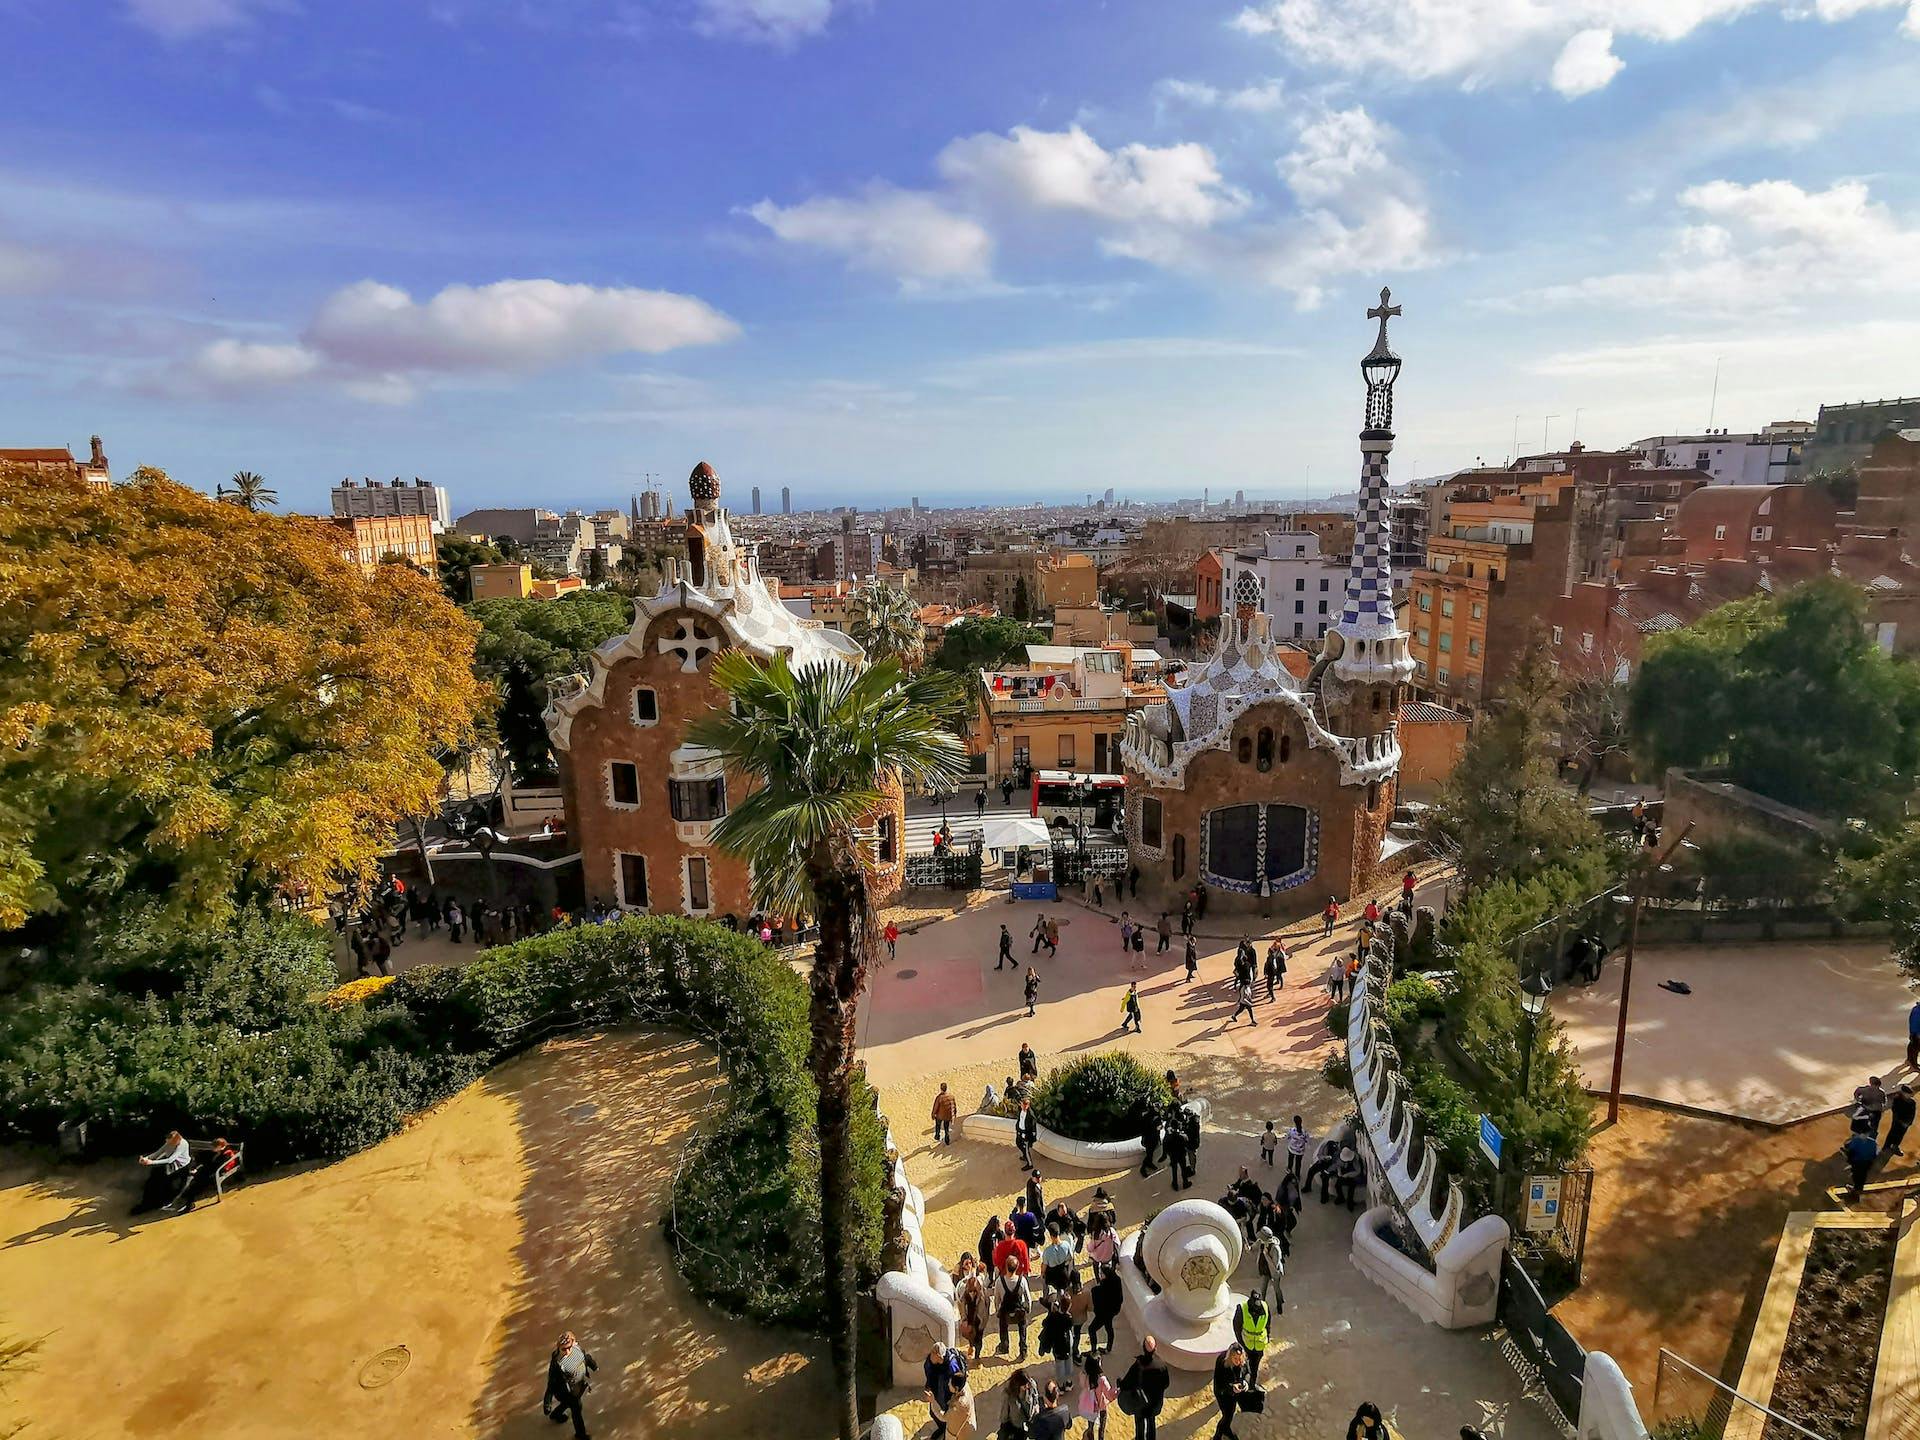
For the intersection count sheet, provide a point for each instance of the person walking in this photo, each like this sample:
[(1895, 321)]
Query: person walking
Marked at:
[(1367, 1423), (1901, 1107), (941, 1367), (945, 1110), (569, 1377), (957, 1420), (1296, 1149), (1269, 1144), (1053, 937), (1019, 1404), (1276, 967), (1033, 989), (1271, 1263), (1186, 916), (1006, 791), (1026, 1129), (1250, 1320), (1329, 918), (1099, 898), (1179, 1161), (1056, 1340), (1130, 1009), (1337, 980), (1107, 1300), (1011, 1299), (1039, 933), (1245, 1002), (1870, 1100), (1913, 1036), (456, 921), (970, 1298), (1006, 951), (1096, 1397), (1028, 1063), (891, 934), (1193, 960), (1409, 882), (1229, 1384), (1150, 1137), (1146, 1381), (1126, 931), (1165, 931)]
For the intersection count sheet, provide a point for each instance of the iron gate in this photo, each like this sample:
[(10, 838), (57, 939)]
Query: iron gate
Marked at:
[(1072, 865), (957, 867), (1544, 1344)]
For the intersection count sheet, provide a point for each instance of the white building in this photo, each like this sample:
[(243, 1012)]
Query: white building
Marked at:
[(370, 498), (1766, 457), (1300, 589)]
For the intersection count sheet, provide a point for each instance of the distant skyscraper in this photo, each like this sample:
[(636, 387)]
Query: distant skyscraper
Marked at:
[(1239, 500), (756, 499), (786, 500), (916, 504), (1206, 496), (1108, 497)]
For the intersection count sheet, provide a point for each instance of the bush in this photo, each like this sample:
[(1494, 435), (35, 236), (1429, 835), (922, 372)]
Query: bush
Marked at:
[(1336, 1070), (1338, 1017), (1100, 1097), (300, 1078), (1410, 1001)]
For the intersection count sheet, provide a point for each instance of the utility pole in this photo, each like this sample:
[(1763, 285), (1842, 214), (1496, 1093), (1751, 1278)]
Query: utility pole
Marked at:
[(1626, 972), (1514, 453), (1713, 405), (1544, 424)]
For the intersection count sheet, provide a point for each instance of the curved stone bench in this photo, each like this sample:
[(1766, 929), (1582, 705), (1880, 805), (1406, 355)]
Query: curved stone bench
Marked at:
[(1079, 1154)]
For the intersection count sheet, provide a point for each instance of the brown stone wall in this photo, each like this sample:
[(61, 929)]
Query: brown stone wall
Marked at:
[(1350, 833), (604, 830), (607, 733)]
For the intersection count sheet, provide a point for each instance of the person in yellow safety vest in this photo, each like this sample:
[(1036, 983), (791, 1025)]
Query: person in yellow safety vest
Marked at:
[(1250, 1319)]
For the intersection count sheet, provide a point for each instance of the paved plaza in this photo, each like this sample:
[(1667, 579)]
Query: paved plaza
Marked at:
[(1773, 1033)]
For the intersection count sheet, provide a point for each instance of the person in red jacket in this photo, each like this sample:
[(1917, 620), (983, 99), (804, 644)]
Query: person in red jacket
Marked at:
[(1329, 917), (1011, 1247)]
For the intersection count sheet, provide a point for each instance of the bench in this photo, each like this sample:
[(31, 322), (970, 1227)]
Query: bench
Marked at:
[(200, 1149)]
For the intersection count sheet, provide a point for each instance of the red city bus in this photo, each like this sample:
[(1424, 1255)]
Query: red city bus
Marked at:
[(1057, 799)]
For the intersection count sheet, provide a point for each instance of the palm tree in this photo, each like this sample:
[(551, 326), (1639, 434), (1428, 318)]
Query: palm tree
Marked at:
[(823, 744), (250, 491), (886, 622)]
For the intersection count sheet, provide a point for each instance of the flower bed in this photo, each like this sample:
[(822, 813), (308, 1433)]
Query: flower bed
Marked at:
[(1826, 1369), (1100, 1098)]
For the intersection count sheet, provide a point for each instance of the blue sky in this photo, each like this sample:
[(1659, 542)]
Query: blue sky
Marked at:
[(967, 251)]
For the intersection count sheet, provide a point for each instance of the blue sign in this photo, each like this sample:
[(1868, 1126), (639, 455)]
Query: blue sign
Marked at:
[(1036, 892), (1490, 1140)]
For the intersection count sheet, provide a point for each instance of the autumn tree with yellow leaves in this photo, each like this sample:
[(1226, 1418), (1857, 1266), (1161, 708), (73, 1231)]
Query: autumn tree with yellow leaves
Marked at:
[(205, 705)]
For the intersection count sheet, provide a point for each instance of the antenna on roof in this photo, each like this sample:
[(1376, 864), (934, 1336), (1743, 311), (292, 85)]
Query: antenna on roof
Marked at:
[(1714, 404)]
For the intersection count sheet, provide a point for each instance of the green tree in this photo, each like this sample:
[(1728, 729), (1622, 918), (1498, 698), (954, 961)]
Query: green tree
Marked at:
[(206, 705), (524, 645), (886, 622), (457, 556), (1791, 696), (249, 492), (1886, 886), (981, 643), (823, 745), (1022, 606), (1503, 809)]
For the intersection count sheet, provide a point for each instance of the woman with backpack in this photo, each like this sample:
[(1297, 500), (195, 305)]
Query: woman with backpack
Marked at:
[(1020, 1402)]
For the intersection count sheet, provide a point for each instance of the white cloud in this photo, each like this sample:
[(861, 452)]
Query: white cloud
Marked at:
[(508, 326), (1767, 247), (1480, 41), (768, 22), (1070, 170), (1586, 64), (25, 269), (1257, 99), (908, 234), (229, 364), (183, 19), (1337, 152)]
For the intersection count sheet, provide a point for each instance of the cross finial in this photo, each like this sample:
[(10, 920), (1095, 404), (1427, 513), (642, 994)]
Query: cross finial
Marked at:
[(1383, 312)]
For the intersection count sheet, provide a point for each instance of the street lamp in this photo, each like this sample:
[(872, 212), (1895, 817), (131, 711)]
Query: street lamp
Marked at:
[(1082, 793), (484, 839), (1639, 900), (1533, 1000)]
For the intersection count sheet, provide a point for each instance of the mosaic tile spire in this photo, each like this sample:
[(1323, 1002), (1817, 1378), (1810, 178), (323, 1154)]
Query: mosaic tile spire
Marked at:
[(1369, 604)]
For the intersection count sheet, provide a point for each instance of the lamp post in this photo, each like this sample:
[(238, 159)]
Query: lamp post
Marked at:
[(1533, 1000), (1659, 866), (1082, 793), (484, 839)]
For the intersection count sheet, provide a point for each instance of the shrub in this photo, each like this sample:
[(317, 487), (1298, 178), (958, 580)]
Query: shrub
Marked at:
[(1336, 1070), (1100, 1097), (320, 1080), (1337, 1018), (1409, 1001)]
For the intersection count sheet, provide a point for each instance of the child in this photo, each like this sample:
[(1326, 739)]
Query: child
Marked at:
[(1296, 1148), (1095, 1399), (1269, 1142)]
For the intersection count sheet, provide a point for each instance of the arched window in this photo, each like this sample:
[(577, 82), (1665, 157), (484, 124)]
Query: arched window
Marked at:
[(1179, 856), (1373, 794), (1150, 822), (1376, 701), (1265, 748), (1245, 749), (1286, 746)]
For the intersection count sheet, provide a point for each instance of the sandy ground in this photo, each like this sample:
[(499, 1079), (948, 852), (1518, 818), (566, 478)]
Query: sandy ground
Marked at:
[(1340, 1339), (1775, 1033), (1688, 1211), (527, 1204)]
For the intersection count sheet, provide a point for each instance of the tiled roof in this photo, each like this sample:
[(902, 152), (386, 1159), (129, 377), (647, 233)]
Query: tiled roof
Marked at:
[(59, 453), (1425, 712)]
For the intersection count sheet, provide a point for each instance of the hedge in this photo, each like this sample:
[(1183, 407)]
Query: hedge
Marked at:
[(1100, 1097), (329, 1079)]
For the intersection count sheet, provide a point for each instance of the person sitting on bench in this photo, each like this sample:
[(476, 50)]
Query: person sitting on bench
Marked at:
[(204, 1178), (164, 1167), (1348, 1177)]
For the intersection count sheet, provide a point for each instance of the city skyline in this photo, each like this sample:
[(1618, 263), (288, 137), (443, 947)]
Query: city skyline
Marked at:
[(1126, 252)]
